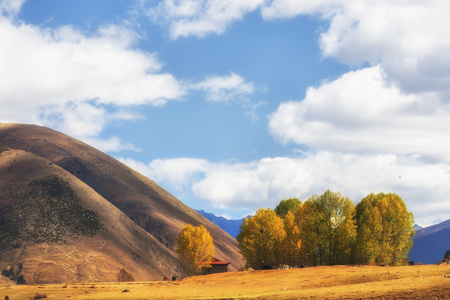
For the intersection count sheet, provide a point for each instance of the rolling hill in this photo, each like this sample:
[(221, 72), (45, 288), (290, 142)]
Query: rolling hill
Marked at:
[(70, 213)]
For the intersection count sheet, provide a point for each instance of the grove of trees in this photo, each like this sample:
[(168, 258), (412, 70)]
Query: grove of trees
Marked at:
[(195, 248), (328, 229)]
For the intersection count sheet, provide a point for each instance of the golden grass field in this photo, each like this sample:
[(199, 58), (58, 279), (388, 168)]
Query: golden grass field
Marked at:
[(335, 282)]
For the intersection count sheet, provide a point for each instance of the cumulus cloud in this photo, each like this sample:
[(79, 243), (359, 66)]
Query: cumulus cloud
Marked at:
[(263, 183), (177, 173), (200, 17), (225, 88), (75, 81), (11, 7), (52, 66), (362, 113), (112, 144)]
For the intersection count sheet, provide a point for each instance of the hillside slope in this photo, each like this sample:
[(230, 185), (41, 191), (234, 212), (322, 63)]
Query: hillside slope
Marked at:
[(430, 243), (140, 200), (54, 228)]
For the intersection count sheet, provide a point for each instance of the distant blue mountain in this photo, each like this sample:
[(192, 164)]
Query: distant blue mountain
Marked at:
[(231, 227), (430, 243)]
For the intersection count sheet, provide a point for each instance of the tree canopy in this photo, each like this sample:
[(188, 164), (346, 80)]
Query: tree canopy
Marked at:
[(385, 229), (260, 239), (195, 248), (287, 205)]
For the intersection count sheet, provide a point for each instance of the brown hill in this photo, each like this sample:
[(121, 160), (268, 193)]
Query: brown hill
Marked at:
[(69, 212)]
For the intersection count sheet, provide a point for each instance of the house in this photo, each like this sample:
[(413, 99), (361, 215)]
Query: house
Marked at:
[(217, 266)]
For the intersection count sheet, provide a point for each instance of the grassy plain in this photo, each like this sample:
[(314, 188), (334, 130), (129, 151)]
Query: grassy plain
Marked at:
[(336, 282)]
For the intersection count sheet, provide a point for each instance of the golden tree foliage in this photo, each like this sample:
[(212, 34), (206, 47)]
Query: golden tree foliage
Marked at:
[(307, 218), (385, 229), (397, 230), (196, 248), (260, 239), (292, 242), (328, 229), (368, 221)]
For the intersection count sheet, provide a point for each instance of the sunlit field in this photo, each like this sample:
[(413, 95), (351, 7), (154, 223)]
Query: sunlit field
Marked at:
[(336, 282)]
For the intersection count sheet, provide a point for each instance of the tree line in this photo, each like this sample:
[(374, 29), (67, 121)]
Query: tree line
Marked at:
[(328, 229)]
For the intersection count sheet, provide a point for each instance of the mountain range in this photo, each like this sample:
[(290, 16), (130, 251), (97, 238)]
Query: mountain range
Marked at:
[(431, 243), (231, 227), (71, 213)]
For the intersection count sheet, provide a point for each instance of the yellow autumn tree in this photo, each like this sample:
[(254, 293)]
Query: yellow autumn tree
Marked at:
[(369, 228), (260, 239), (292, 242), (308, 217), (195, 248), (397, 229), (385, 229)]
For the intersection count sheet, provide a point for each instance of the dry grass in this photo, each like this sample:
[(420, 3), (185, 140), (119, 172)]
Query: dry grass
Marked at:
[(338, 282)]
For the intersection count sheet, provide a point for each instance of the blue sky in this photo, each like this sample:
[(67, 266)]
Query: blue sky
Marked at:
[(234, 105)]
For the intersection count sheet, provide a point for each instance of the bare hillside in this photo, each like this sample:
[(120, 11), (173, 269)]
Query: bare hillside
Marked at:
[(126, 218)]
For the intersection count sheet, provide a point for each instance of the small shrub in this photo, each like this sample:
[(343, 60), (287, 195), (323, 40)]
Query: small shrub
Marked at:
[(447, 254), (124, 276)]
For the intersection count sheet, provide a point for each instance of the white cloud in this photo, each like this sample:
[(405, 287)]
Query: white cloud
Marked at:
[(179, 172), (113, 144), (280, 9), (56, 66), (263, 183), (11, 7), (79, 119), (200, 17), (362, 113), (225, 88)]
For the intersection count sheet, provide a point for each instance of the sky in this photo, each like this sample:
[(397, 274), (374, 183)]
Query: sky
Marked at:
[(235, 105)]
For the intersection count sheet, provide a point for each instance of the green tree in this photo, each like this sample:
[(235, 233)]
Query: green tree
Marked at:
[(287, 205), (260, 239), (195, 248)]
